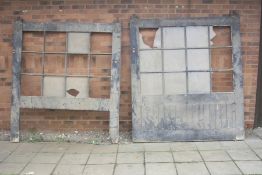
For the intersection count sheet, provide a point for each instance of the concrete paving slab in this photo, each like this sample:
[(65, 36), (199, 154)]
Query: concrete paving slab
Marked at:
[(20, 158), (11, 168), (47, 158), (187, 156), (8, 146), (196, 168), (157, 147), (79, 159), (183, 146), (216, 155), (131, 147), (129, 169), (105, 149), (258, 152), (55, 148), (160, 169), (208, 145), (38, 169), (99, 169), (234, 145), (80, 148), (223, 168), (130, 157), (3, 155), (245, 154), (158, 157), (69, 170), (29, 148), (254, 143), (250, 167), (102, 158)]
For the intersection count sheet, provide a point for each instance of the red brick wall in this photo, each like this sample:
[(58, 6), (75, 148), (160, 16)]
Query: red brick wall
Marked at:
[(109, 11)]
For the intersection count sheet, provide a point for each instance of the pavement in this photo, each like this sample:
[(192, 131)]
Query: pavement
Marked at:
[(182, 158)]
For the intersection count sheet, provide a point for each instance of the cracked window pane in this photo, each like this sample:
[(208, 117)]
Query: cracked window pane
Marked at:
[(198, 59), (54, 86), (78, 42), (197, 36), (198, 82), (150, 61), (175, 83), (173, 37), (151, 84), (77, 87), (174, 60)]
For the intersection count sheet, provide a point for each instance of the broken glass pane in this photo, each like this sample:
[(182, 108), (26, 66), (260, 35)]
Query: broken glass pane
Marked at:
[(150, 61), (198, 59), (175, 83), (151, 84), (77, 87), (78, 42), (173, 37), (198, 82), (54, 86), (31, 85), (197, 36), (174, 60)]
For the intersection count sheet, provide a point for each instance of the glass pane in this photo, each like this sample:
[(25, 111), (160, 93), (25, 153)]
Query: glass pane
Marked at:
[(55, 42), (198, 82), (77, 64), (174, 37), (175, 83), (151, 84), (78, 43), (77, 87), (221, 58), (198, 59), (222, 36), (174, 60), (31, 63), (54, 64), (100, 65), (31, 85), (147, 38), (222, 81), (100, 87), (33, 41), (197, 36), (54, 86), (101, 42), (150, 61)]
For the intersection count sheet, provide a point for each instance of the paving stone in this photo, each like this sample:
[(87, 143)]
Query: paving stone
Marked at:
[(4, 154), (183, 146), (102, 158), (29, 148), (55, 148), (47, 158), (38, 169), (20, 158), (80, 148), (245, 154), (160, 169), (157, 147), (234, 145), (216, 155), (158, 157), (187, 156), (11, 168), (130, 157), (105, 149), (250, 167), (69, 170), (99, 169), (258, 152), (196, 168), (131, 147), (223, 168), (208, 145), (254, 143), (74, 159), (8, 146), (129, 169)]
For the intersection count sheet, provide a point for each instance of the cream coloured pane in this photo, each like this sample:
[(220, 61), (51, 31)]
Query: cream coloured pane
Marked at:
[(197, 36), (151, 84), (77, 87), (174, 37), (78, 42), (198, 82), (174, 60), (175, 83), (54, 86), (150, 61), (198, 59)]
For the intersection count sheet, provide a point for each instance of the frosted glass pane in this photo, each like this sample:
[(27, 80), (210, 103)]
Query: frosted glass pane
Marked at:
[(54, 86), (175, 83), (150, 61), (174, 37), (174, 60), (77, 87), (198, 82), (151, 84), (198, 59), (78, 42), (197, 36)]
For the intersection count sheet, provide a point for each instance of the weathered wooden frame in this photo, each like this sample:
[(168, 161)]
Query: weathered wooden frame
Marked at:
[(111, 104), (236, 97)]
